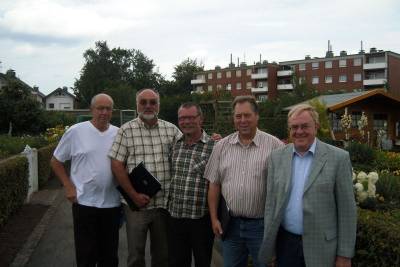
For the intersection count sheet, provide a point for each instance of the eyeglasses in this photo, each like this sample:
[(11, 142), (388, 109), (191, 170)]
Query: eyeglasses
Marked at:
[(151, 102), (189, 118), (295, 127)]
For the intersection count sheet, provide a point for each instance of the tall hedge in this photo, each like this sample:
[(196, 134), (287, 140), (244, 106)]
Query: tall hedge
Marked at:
[(44, 169), (378, 239), (13, 186)]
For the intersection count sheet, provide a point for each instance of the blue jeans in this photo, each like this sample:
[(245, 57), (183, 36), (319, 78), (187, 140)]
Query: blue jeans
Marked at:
[(244, 237)]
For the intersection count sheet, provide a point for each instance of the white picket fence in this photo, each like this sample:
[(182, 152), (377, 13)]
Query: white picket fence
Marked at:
[(32, 156)]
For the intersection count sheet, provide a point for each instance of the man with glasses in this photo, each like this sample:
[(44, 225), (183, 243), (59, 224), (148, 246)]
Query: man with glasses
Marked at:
[(237, 170), (190, 226), (90, 186), (310, 212), (149, 140)]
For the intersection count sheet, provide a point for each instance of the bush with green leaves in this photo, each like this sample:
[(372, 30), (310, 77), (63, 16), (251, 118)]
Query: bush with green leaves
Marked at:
[(13, 186), (12, 145), (389, 161), (361, 153), (388, 186), (44, 170), (378, 241)]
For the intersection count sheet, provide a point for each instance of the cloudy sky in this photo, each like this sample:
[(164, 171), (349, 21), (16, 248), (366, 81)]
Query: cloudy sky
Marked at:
[(43, 40)]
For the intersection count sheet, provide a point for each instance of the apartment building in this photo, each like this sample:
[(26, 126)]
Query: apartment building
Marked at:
[(342, 73)]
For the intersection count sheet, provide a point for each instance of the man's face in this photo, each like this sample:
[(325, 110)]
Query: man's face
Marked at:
[(303, 130), (148, 105), (189, 121), (245, 119), (102, 110)]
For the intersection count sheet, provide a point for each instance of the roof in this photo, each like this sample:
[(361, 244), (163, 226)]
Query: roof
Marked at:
[(62, 90), (338, 101)]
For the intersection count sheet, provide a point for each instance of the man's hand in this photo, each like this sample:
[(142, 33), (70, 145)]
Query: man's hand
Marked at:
[(216, 226), (343, 261), (70, 192), (216, 137), (141, 200)]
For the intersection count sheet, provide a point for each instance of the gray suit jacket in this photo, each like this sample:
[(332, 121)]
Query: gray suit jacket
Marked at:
[(329, 209)]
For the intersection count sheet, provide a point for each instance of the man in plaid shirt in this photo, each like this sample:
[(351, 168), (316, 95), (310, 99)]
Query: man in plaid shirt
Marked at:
[(149, 140), (190, 226)]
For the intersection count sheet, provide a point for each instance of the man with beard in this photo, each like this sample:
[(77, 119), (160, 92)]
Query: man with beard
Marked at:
[(149, 140)]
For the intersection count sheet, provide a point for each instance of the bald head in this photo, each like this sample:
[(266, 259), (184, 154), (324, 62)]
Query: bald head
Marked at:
[(101, 96)]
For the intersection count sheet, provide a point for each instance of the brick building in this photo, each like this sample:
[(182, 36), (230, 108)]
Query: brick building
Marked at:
[(342, 73)]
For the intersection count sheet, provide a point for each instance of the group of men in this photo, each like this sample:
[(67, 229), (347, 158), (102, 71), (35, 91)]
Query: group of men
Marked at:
[(290, 205)]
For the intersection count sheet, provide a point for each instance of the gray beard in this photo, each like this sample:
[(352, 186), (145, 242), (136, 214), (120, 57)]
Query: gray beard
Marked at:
[(148, 117)]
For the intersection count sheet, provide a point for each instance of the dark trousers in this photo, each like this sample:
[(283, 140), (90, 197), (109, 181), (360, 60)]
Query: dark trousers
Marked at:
[(289, 249), (96, 235), (187, 236)]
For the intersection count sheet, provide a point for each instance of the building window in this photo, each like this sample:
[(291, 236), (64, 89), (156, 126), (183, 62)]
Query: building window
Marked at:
[(315, 65), (343, 78), (51, 105), (228, 74), (355, 117), (219, 75), (219, 87), (209, 76), (357, 77), (302, 80), (315, 80), (238, 86), (302, 66), (209, 88), (335, 119), (248, 85), (248, 72), (342, 63), (229, 87), (380, 122), (357, 62), (261, 84), (328, 64), (239, 73), (328, 79), (262, 98)]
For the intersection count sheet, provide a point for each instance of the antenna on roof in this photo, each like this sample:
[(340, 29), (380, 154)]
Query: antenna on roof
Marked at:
[(260, 58)]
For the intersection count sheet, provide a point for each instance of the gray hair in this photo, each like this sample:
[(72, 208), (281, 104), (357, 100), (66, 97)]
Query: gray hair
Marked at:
[(151, 89), (246, 98), (304, 107), (192, 104), (94, 99)]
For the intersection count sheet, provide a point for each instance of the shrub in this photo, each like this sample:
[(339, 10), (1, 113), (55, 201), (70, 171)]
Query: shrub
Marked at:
[(10, 145), (44, 169), (388, 186), (389, 161), (360, 153), (378, 241), (13, 186)]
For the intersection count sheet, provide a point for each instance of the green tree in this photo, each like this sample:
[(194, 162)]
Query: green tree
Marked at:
[(20, 112), (109, 70)]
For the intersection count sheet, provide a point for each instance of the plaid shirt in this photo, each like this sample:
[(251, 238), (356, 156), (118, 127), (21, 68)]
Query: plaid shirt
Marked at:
[(136, 142), (188, 191)]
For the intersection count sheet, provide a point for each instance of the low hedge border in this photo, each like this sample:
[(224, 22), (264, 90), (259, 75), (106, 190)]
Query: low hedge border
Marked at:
[(44, 169), (378, 239), (13, 186)]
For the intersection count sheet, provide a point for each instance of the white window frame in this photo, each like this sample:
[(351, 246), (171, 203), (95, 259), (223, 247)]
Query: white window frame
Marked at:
[(229, 87), (302, 66), (238, 86), (210, 88), (328, 79), (315, 65), (219, 75), (249, 85), (357, 62), (248, 72), (355, 77), (328, 64), (342, 63), (228, 74), (238, 73), (315, 80), (343, 78), (209, 76)]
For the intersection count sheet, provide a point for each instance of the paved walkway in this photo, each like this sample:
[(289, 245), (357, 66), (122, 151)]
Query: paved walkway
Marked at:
[(51, 243)]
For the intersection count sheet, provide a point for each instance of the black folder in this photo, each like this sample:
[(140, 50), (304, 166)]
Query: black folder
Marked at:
[(224, 216), (143, 182)]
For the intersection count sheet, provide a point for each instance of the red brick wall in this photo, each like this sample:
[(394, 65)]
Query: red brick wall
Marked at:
[(394, 75)]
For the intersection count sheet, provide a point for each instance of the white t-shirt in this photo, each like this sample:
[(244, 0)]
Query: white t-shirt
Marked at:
[(87, 148)]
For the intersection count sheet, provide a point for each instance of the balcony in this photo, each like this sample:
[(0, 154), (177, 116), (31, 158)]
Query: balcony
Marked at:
[(285, 86), (259, 89), (258, 76), (373, 66), (381, 81), (198, 81), (282, 73)]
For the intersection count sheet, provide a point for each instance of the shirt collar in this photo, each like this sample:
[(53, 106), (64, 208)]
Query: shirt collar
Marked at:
[(256, 140), (311, 149), (141, 123), (204, 137)]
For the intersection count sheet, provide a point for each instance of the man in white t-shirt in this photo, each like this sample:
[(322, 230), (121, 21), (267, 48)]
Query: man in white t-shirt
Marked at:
[(90, 187)]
